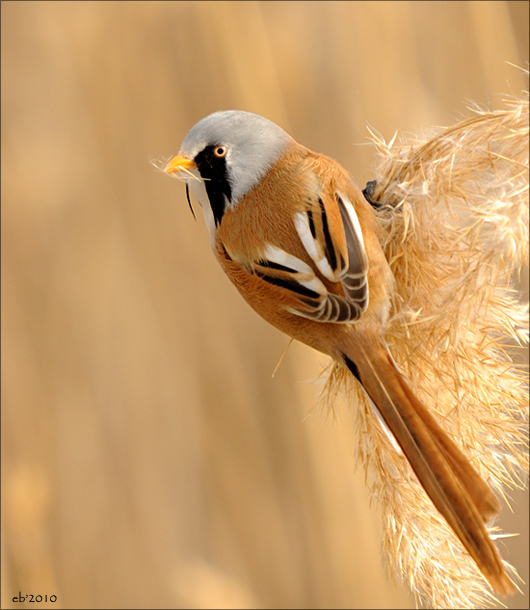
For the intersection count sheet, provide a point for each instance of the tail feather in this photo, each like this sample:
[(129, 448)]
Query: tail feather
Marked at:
[(454, 486), (481, 495)]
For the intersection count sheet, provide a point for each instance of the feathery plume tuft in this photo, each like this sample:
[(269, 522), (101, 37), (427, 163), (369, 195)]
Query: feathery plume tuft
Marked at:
[(454, 213)]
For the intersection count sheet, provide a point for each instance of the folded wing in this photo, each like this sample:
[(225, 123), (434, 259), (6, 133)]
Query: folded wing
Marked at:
[(331, 235)]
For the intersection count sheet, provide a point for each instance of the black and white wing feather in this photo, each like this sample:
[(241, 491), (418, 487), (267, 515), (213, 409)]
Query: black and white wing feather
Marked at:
[(335, 245)]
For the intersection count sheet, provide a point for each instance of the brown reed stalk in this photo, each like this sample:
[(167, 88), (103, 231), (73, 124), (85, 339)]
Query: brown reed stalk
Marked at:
[(454, 211)]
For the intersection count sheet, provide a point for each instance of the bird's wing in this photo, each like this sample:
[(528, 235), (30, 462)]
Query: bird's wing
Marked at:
[(330, 233)]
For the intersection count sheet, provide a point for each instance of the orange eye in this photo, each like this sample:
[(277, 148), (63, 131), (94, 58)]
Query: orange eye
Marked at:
[(220, 151)]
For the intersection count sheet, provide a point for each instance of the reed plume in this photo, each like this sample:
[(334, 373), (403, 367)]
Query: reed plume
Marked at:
[(454, 212)]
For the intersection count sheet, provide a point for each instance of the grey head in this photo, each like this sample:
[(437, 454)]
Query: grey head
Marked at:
[(233, 150)]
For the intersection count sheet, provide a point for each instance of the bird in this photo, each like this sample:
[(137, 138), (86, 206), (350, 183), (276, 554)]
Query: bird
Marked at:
[(301, 243)]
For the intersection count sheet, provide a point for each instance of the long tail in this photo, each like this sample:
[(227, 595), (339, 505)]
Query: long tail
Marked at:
[(454, 486)]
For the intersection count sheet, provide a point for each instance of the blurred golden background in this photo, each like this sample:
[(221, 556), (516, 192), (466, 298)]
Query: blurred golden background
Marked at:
[(149, 460)]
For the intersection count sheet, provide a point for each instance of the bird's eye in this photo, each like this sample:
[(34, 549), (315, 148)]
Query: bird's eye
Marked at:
[(220, 151)]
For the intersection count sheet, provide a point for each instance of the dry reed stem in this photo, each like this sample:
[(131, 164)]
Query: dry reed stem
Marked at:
[(454, 210)]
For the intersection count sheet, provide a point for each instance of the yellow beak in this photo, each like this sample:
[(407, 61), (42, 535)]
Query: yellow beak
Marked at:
[(180, 163)]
